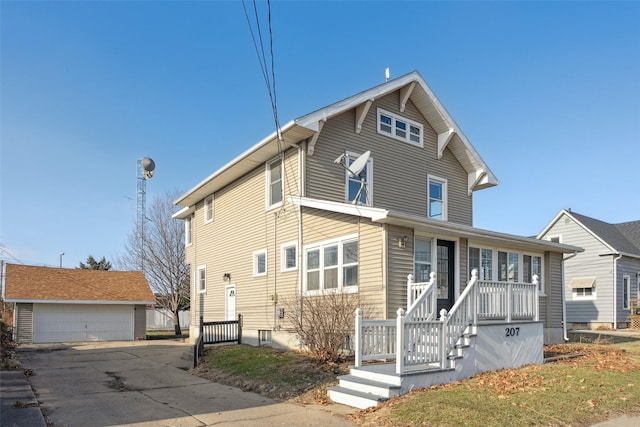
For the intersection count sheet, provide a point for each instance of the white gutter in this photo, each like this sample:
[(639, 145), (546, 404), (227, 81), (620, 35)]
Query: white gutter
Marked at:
[(564, 301), (102, 302)]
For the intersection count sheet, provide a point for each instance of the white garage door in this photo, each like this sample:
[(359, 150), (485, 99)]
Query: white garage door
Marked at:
[(82, 322)]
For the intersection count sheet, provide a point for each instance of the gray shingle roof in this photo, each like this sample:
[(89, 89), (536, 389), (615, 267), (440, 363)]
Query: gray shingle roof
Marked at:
[(623, 237)]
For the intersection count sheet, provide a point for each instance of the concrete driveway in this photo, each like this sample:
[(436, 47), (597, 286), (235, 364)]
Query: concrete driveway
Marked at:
[(146, 384)]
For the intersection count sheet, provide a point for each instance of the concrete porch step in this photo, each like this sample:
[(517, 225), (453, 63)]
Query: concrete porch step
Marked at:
[(356, 399), (365, 385)]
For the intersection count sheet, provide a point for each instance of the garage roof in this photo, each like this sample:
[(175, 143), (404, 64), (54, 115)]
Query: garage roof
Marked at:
[(27, 283)]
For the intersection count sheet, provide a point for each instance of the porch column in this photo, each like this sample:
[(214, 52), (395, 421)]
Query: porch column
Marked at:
[(399, 341)]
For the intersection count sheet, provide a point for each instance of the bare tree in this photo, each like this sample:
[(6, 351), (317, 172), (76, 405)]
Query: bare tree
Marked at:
[(161, 253), (324, 323)]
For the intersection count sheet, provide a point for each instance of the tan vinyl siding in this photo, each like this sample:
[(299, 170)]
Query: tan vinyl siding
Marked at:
[(24, 334), (399, 169), (242, 225), (400, 266), (463, 272), (371, 267)]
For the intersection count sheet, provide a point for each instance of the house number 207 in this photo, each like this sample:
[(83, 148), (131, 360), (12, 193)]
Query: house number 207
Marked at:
[(512, 332)]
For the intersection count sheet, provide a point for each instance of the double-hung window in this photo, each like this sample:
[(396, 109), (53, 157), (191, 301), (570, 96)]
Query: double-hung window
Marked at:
[(332, 265), (208, 209), (187, 232), (437, 198), (202, 279), (422, 260), (400, 128), (508, 266), (626, 292), (361, 186), (482, 260), (274, 183)]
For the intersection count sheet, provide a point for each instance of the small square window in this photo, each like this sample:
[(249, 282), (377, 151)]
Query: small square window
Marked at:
[(274, 183), (399, 128), (289, 256), (260, 263), (202, 279)]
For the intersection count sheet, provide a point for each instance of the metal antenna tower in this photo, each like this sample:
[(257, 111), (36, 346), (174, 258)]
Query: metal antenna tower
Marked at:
[(145, 170)]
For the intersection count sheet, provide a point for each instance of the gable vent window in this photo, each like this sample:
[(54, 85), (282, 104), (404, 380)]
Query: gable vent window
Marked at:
[(399, 128)]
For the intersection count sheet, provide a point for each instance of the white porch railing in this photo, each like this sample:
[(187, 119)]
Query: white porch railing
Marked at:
[(423, 340)]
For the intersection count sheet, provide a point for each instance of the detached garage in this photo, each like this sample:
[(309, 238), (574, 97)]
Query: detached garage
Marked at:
[(75, 305)]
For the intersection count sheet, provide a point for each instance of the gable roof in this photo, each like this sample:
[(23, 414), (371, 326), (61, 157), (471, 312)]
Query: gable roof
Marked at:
[(26, 283), (621, 238), (412, 86)]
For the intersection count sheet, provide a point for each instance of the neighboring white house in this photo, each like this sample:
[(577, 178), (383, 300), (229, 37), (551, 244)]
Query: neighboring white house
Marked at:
[(601, 281), (75, 305)]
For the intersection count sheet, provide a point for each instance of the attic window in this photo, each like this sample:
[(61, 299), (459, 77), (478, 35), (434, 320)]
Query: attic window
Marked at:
[(399, 128)]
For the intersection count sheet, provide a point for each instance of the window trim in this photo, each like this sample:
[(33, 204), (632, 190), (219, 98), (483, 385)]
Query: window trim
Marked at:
[(320, 246), (256, 254), (626, 283), (495, 263), (200, 289), (575, 295), (445, 202), (283, 256), (369, 179), (392, 133), (208, 206), (268, 194)]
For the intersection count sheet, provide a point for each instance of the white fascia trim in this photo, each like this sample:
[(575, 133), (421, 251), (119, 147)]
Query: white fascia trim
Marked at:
[(374, 214), (93, 302), (437, 226), (184, 212)]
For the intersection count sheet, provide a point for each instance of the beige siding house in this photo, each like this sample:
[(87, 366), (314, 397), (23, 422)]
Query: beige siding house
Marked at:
[(600, 282), (284, 218)]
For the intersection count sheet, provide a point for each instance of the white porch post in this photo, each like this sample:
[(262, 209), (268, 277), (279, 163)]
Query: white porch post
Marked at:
[(358, 340), (399, 341), (509, 301), (409, 290), (536, 299)]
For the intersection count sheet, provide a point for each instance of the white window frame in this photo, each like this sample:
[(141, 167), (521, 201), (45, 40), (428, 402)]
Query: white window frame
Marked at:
[(495, 274), (626, 288), (199, 279), (188, 231), (208, 209), (393, 132), (369, 179), (283, 256), (445, 204), (269, 196), (320, 246), (576, 294), (256, 263)]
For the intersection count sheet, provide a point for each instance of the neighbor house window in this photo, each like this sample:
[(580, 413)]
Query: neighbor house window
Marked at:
[(583, 288), (260, 263), (289, 256), (422, 260), (332, 265), (274, 183), (626, 292), (399, 128), (437, 198), (354, 183), (208, 209), (187, 231), (202, 279)]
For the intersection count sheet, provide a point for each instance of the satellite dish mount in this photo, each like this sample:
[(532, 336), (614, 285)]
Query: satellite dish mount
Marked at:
[(356, 169)]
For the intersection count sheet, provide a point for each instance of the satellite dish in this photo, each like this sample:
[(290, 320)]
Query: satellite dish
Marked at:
[(148, 167), (355, 170), (359, 164)]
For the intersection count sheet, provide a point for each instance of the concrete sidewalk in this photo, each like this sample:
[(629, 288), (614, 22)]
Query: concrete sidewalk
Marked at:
[(18, 405)]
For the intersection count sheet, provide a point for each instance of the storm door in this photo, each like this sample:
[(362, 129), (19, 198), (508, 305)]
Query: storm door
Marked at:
[(446, 268)]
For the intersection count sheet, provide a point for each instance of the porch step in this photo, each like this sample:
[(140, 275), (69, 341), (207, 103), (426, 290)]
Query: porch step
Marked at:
[(356, 399), (365, 385)]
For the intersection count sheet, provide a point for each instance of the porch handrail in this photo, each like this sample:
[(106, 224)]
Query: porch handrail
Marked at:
[(422, 308), (375, 339), (463, 314)]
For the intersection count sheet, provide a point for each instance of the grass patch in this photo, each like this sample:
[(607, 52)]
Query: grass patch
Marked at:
[(166, 335), (272, 372), (599, 385)]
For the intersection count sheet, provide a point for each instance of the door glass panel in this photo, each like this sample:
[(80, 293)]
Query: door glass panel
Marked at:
[(443, 272)]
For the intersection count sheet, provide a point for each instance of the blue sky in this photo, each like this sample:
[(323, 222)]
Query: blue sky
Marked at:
[(547, 92)]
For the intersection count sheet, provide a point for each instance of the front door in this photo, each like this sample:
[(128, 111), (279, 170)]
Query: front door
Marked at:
[(446, 268), (230, 302)]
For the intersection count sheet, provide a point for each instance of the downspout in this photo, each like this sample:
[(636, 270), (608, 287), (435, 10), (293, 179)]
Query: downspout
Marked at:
[(615, 289), (564, 301), (301, 192)]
